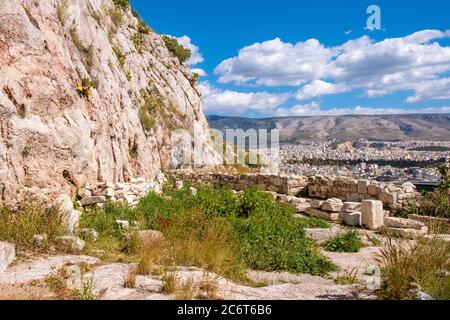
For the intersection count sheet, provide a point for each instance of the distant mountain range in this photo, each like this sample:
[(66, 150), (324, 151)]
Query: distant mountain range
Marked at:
[(433, 127)]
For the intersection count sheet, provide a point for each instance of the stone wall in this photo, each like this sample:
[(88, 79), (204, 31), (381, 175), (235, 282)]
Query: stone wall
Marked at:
[(283, 184), (346, 189)]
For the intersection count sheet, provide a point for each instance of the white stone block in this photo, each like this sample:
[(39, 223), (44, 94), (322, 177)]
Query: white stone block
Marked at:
[(372, 214)]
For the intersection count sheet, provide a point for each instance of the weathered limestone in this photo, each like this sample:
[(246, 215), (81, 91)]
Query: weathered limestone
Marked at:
[(410, 234), (429, 220), (362, 186), (330, 216), (332, 205), (352, 219), (179, 185), (403, 223), (150, 236), (74, 280), (92, 200), (193, 191), (70, 217), (127, 192), (282, 184), (72, 220), (317, 204), (351, 207), (347, 189), (71, 243), (372, 214), (7, 255), (323, 235), (54, 136)]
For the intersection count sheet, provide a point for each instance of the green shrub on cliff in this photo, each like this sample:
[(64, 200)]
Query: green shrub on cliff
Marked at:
[(183, 54)]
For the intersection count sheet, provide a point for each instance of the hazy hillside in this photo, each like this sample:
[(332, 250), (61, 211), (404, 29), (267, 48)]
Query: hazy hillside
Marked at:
[(350, 127)]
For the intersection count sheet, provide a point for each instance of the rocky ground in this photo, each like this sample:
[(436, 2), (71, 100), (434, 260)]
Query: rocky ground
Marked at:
[(43, 277), (29, 278)]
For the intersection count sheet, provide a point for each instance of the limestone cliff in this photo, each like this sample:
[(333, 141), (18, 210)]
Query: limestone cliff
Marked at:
[(87, 94)]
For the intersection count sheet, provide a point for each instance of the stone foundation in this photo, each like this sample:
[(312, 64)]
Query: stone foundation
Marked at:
[(283, 184), (346, 189)]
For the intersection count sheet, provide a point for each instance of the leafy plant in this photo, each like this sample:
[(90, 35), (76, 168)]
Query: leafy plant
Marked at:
[(84, 88), (183, 54), (347, 242), (138, 41), (194, 78), (122, 4)]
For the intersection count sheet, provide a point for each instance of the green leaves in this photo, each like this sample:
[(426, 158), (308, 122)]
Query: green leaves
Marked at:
[(348, 242), (183, 54)]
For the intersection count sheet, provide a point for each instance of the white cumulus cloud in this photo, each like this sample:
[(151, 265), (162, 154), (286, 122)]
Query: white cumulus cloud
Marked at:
[(416, 63), (314, 109), (238, 103)]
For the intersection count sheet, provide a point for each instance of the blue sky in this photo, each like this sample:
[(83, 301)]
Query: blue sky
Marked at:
[(280, 58)]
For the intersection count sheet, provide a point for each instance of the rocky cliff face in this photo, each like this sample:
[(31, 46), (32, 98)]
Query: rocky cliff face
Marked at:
[(87, 95)]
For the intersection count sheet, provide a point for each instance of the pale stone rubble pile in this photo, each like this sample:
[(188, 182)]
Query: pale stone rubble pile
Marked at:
[(128, 192), (369, 215)]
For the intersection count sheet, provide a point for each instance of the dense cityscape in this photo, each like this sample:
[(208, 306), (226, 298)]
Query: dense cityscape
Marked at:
[(382, 161)]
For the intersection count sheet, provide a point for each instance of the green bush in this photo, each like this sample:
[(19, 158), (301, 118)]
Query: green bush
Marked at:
[(142, 26), (84, 88), (183, 54), (194, 78), (276, 242), (347, 242), (123, 4), (104, 220), (138, 41), (271, 237)]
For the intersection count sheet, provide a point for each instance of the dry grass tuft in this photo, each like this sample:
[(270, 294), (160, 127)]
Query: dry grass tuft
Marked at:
[(186, 290), (19, 227), (209, 285), (170, 283), (347, 277), (150, 254), (406, 265), (130, 279)]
